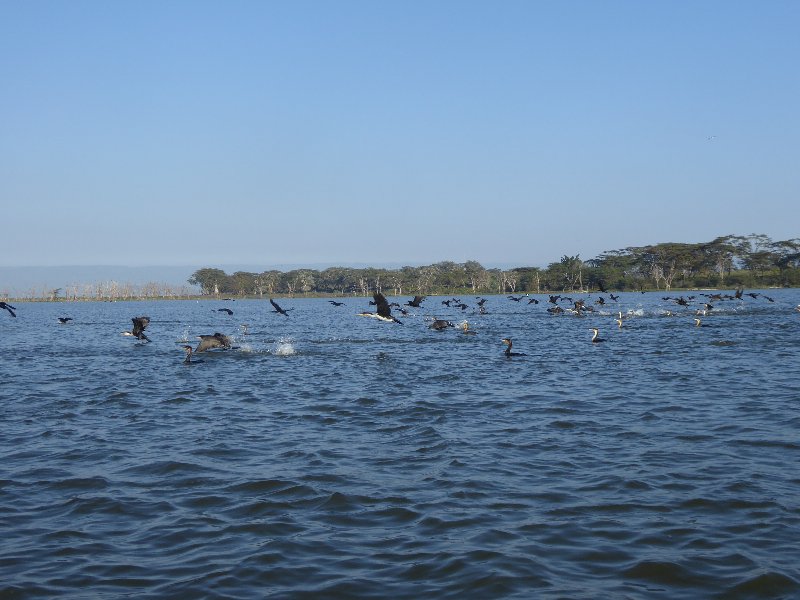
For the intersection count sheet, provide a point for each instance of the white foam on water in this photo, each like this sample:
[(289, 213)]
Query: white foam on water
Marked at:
[(283, 347)]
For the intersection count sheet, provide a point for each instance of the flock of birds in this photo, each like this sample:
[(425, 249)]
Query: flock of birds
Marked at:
[(383, 312)]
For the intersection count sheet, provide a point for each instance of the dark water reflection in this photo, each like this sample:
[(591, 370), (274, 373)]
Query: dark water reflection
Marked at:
[(335, 456)]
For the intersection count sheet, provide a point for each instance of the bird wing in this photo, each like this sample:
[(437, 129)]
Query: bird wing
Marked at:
[(384, 309), (139, 325), (275, 304)]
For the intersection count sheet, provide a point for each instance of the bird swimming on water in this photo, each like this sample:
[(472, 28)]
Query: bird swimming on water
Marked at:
[(209, 342), (508, 352), (596, 336), (278, 309), (139, 325), (9, 308), (384, 310), (227, 310)]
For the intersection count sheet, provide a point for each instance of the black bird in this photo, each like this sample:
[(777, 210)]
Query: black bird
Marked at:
[(613, 297), (64, 320), (384, 310), (227, 310), (533, 301), (508, 352), (515, 298), (602, 287), (139, 325), (278, 309), (416, 301), (209, 342), (440, 324), (335, 303), (9, 308)]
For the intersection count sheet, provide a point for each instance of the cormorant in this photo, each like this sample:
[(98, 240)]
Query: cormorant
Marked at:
[(384, 310), (139, 325), (227, 310), (188, 350), (335, 303), (508, 352), (613, 297), (465, 329), (595, 337), (64, 320), (440, 324), (209, 342), (9, 308), (416, 301), (278, 309)]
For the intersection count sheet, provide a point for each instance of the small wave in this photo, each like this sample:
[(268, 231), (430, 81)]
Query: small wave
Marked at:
[(766, 585)]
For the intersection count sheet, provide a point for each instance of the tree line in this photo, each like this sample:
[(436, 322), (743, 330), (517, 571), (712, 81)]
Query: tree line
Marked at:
[(753, 261)]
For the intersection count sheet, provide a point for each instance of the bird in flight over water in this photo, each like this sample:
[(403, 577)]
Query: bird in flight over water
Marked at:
[(9, 308), (278, 309), (384, 310), (139, 325)]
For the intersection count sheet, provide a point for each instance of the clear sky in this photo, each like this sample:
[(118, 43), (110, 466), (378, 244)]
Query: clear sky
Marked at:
[(256, 132)]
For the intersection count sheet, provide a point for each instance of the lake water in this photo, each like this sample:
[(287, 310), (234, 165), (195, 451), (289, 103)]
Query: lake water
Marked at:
[(335, 456)]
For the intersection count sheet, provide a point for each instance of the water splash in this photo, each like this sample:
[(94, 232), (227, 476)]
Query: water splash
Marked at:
[(283, 347), (185, 337)]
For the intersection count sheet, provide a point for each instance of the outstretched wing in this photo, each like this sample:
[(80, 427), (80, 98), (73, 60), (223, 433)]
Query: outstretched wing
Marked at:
[(384, 309), (139, 325), (275, 304)]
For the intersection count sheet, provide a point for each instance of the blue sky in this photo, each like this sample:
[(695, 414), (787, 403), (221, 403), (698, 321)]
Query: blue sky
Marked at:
[(211, 133)]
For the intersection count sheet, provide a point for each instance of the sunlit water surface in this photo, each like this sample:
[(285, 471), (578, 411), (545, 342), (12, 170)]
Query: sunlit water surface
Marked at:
[(334, 456)]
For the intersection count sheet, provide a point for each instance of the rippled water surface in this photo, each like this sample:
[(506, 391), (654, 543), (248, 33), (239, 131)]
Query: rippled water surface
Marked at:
[(334, 456)]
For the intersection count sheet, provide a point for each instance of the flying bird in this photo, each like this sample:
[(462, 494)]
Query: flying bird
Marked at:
[(278, 309), (64, 320), (9, 308), (440, 324), (384, 310), (416, 301), (227, 310), (335, 303), (139, 325), (209, 342)]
